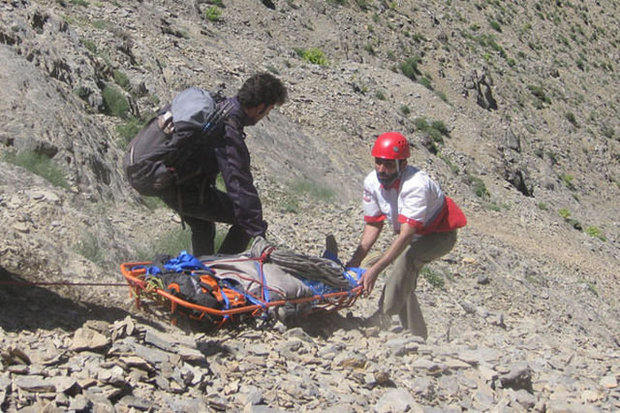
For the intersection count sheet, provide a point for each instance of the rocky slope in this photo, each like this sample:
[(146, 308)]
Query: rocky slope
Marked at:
[(513, 107)]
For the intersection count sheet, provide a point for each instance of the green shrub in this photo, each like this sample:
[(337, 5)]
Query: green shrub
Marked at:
[(311, 188), (410, 67), (591, 287), (122, 80), (495, 26), (153, 202), (40, 165), (363, 4), (441, 95), (570, 116), (564, 213), (539, 93), (169, 243), (89, 248), (115, 102), (89, 45), (404, 109), (213, 13), (426, 82), (595, 232), (272, 69), (370, 49), (434, 278), (421, 124), (568, 181), (455, 169), (440, 127), (128, 130), (608, 131), (479, 187), (380, 95), (542, 206), (312, 55)]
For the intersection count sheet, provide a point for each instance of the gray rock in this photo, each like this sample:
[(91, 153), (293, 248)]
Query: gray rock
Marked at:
[(396, 400), (88, 339)]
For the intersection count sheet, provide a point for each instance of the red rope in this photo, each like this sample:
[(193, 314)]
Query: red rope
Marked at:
[(22, 283)]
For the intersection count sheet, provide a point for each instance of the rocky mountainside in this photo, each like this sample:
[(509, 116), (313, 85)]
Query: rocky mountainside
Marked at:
[(512, 106)]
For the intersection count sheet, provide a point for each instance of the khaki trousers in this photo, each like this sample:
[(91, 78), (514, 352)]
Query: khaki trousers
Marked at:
[(399, 292)]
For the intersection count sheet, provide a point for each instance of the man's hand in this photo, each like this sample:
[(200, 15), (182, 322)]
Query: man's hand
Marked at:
[(398, 246), (368, 280)]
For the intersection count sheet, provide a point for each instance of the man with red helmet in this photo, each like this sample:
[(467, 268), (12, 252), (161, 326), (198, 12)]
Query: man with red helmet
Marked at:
[(424, 220)]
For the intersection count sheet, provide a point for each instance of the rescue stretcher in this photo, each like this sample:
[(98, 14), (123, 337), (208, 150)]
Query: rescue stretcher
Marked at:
[(237, 303)]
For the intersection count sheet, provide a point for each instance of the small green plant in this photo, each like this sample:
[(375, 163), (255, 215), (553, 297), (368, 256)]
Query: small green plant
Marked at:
[(570, 116), (38, 164), (122, 80), (421, 124), (169, 243), (434, 278), (542, 206), (590, 286), (89, 248), (441, 95), (115, 102), (495, 26), (539, 93), (380, 95), (363, 4), (568, 181), (479, 187), (289, 206), (213, 13), (153, 202), (418, 38), (410, 67), (89, 45), (272, 69), (404, 109), (80, 3), (455, 169), (370, 49), (564, 213), (440, 127), (608, 131), (595, 232), (312, 188), (436, 129), (426, 82), (312, 55), (128, 129)]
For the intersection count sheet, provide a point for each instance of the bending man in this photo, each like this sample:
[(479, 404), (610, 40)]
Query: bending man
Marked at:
[(179, 154), (424, 220)]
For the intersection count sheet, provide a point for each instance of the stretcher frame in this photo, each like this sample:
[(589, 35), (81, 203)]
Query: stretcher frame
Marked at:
[(135, 275)]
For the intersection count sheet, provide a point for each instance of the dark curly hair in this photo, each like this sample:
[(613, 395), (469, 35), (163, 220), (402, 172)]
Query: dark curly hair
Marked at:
[(262, 88)]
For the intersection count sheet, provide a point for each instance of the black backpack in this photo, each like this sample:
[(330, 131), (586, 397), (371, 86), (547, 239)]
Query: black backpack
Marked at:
[(152, 155)]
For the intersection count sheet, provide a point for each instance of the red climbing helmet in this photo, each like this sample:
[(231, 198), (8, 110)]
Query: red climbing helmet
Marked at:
[(391, 145)]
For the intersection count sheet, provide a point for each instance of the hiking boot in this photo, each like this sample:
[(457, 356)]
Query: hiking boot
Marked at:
[(380, 320), (331, 248)]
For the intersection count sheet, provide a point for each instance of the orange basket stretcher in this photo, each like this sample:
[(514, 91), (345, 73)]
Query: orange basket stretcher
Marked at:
[(136, 276)]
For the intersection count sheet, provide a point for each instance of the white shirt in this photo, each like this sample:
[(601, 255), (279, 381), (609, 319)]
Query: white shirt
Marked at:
[(414, 199)]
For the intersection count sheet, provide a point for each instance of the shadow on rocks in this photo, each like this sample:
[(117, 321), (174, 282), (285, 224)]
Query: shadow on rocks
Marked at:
[(324, 324), (28, 307)]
